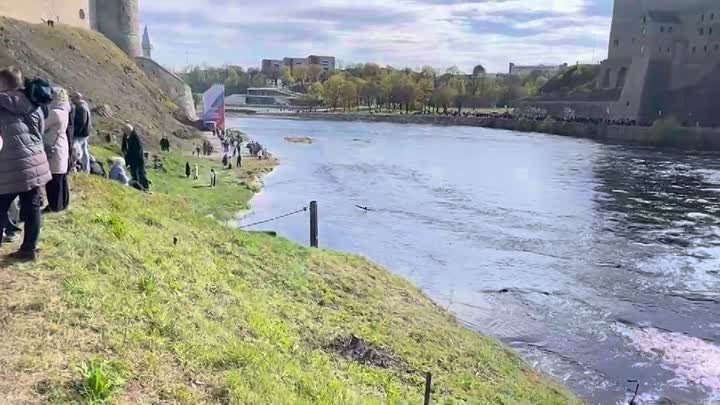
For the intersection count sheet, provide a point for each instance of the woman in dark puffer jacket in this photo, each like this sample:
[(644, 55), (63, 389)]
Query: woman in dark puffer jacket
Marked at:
[(24, 166)]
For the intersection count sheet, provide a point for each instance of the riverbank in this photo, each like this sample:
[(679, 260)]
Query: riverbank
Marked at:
[(663, 135), (144, 298)]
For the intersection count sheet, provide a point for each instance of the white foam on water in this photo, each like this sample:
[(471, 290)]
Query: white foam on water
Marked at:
[(693, 360)]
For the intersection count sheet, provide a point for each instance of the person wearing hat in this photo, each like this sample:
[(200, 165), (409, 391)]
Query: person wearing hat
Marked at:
[(82, 127)]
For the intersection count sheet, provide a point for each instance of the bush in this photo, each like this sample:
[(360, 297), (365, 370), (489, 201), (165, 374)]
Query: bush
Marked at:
[(667, 132), (99, 381)]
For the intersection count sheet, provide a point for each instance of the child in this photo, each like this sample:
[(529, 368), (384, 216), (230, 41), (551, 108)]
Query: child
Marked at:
[(213, 178), (196, 172)]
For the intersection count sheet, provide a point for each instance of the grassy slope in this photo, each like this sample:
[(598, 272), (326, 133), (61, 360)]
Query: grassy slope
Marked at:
[(86, 61), (226, 316)]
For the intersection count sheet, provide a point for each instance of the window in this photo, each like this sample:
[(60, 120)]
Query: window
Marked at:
[(717, 47), (710, 31), (668, 50), (616, 43), (712, 16), (702, 31), (662, 28), (702, 17), (660, 50), (705, 48), (82, 14), (642, 49), (670, 29), (644, 31), (644, 19), (694, 49)]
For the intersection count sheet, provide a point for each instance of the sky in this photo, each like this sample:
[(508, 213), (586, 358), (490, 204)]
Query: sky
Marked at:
[(401, 33)]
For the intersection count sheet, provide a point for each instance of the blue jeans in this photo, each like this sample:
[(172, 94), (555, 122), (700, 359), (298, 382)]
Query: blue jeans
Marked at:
[(85, 148)]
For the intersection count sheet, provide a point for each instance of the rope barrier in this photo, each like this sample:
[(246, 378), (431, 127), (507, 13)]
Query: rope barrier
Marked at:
[(303, 209)]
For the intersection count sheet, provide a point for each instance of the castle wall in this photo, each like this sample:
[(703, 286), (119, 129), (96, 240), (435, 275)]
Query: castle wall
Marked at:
[(170, 84), (71, 12), (119, 20)]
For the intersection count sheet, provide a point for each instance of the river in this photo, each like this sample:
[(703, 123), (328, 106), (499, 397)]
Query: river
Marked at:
[(598, 263)]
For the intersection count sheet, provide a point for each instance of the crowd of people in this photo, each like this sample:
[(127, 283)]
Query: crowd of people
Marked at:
[(44, 135)]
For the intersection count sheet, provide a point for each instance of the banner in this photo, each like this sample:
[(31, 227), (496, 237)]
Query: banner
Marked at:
[(214, 105)]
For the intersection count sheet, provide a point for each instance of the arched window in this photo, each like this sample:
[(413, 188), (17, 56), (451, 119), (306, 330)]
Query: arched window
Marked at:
[(622, 74), (82, 14)]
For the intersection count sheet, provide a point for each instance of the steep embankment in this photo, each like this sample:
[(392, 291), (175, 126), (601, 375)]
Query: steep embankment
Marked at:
[(118, 308), (87, 62)]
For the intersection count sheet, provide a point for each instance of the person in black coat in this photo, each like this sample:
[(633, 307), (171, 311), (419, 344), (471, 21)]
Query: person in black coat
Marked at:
[(187, 170), (135, 157), (124, 145)]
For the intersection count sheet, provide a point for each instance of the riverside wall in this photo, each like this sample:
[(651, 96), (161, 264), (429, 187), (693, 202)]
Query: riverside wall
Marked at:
[(676, 137)]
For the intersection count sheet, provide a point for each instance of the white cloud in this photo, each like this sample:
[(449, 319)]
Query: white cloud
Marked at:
[(397, 32)]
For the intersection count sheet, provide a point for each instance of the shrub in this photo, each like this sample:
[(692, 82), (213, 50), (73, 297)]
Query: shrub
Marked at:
[(99, 381)]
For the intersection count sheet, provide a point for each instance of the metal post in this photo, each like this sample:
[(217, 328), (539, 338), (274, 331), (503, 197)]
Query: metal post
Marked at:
[(428, 387), (313, 224)]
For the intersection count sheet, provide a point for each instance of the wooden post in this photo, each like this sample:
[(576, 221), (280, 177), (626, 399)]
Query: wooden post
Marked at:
[(313, 224), (428, 387)]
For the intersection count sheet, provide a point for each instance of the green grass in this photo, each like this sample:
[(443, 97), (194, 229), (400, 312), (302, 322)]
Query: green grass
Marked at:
[(225, 316), (234, 187)]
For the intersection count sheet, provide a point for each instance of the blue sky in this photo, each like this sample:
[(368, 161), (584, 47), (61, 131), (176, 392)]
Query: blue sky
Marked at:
[(402, 33)]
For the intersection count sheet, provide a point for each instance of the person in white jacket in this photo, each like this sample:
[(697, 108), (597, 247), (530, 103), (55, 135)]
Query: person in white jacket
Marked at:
[(57, 149)]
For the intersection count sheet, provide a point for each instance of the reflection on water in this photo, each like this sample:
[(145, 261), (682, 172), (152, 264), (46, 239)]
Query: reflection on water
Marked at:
[(599, 264)]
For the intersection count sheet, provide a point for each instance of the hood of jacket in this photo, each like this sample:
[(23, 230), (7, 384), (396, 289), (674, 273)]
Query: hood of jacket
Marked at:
[(15, 102)]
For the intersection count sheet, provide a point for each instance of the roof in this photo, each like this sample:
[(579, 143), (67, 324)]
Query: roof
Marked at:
[(664, 16), (146, 43)]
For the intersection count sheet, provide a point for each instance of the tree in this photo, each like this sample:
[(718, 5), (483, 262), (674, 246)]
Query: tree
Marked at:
[(428, 72), (332, 90), (286, 76), (300, 73), (317, 90), (348, 94), (371, 70), (453, 70), (479, 70), (425, 87), (314, 72), (370, 92), (443, 97)]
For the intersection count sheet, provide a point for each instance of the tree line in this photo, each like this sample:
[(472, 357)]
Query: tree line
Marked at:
[(372, 86)]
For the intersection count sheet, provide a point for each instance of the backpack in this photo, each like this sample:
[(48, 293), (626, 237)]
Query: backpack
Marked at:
[(38, 91)]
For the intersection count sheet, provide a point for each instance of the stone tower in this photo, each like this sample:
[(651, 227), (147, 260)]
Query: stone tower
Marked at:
[(119, 20), (147, 44)]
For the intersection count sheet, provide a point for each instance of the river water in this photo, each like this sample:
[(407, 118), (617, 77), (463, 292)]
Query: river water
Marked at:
[(598, 263)]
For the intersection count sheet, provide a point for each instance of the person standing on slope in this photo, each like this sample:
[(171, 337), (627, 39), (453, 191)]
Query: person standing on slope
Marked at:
[(82, 125), (24, 168), (136, 157), (57, 150)]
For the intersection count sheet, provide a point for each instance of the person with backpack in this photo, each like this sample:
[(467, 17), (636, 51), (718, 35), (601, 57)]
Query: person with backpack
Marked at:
[(57, 150), (24, 168), (82, 125)]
